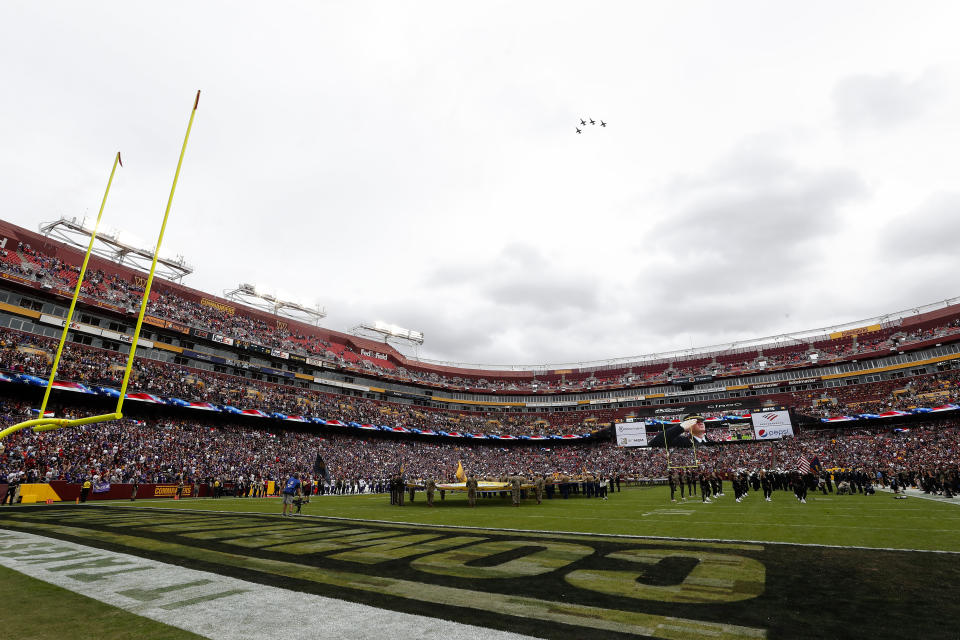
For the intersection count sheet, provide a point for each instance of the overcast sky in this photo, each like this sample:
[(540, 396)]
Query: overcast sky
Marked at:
[(767, 166)]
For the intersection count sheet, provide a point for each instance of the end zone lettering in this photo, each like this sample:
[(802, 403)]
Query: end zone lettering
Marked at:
[(587, 587)]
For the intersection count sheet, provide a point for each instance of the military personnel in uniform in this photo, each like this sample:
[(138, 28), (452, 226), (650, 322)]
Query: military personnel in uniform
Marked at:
[(431, 487), (472, 490), (515, 489), (538, 489)]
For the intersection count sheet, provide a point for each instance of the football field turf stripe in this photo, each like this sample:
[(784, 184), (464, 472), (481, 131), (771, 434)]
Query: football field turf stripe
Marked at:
[(211, 605), (484, 604)]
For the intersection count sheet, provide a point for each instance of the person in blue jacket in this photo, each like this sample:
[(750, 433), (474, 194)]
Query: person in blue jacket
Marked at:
[(290, 490)]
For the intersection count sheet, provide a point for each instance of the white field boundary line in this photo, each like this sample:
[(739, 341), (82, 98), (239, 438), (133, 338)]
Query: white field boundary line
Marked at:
[(916, 493), (214, 606), (625, 536)]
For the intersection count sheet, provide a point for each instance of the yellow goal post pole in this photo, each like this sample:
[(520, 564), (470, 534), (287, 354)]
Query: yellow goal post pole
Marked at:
[(66, 323), (50, 426), (153, 266)]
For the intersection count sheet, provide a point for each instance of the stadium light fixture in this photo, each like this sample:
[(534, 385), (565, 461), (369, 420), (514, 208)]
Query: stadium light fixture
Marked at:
[(388, 331), (116, 246), (252, 295)]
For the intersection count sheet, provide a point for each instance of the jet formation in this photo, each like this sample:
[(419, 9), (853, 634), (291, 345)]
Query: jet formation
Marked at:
[(583, 123)]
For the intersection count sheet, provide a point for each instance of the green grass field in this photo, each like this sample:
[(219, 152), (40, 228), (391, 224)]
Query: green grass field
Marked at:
[(857, 520), (635, 565), (78, 617)]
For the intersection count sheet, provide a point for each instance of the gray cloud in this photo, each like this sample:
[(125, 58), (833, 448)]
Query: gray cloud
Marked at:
[(755, 219), (878, 101), (542, 293), (755, 195), (930, 231)]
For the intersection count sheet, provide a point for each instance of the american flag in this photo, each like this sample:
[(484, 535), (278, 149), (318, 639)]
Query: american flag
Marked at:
[(803, 464)]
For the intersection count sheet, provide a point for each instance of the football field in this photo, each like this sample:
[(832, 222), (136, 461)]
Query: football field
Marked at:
[(633, 566)]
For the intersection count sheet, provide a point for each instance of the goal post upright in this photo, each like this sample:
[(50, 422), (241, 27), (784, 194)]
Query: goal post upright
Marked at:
[(153, 266), (41, 423), (41, 419)]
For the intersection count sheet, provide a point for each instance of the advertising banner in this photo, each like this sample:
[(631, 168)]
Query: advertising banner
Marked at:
[(631, 434), (685, 380), (219, 306), (176, 326), (170, 490), (772, 425)]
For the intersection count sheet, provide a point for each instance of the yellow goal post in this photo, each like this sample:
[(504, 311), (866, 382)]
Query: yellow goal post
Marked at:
[(49, 424)]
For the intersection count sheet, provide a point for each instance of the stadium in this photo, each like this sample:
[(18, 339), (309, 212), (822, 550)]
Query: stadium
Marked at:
[(709, 247), (227, 401)]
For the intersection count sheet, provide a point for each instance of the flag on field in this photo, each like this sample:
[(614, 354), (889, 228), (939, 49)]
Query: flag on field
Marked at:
[(320, 468), (461, 476), (815, 464), (802, 464)]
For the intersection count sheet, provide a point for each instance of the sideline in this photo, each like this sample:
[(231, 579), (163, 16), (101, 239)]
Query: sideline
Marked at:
[(916, 493), (626, 536), (214, 606)]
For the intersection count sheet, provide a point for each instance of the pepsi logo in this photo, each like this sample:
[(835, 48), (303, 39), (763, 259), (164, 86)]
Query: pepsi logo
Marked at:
[(762, 432)]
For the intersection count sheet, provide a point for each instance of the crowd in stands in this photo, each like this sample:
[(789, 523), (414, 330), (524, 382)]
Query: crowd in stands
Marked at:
[(167, 449), (32, 354), (888, 395), (111, 288)]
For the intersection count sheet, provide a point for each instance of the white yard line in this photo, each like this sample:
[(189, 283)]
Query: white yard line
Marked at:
[(215, 606)]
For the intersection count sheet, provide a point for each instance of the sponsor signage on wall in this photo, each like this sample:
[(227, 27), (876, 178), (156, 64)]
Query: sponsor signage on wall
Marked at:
[(772, 425), (219, 306), (631, 434), (783, 383), (693, 392), (616, 399), (685, 380), (168, 490)]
